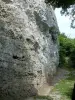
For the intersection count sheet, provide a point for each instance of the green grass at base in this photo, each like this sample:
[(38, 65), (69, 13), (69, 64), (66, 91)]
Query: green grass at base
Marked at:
[(43, 98), (65, 87)]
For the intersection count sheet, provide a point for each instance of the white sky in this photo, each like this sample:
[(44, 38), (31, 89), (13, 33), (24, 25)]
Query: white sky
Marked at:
[(64, 24)]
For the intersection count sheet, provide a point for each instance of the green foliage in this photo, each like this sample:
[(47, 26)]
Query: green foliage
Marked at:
[(62, 49), (42, 98), (65, 86), (72, 58), (61, 3), (66, 51)]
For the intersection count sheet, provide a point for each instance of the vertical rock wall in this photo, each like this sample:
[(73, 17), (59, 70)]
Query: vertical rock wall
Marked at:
[(28, 47)]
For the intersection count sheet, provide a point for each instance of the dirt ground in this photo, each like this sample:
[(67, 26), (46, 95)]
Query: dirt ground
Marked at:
[(46, 89)]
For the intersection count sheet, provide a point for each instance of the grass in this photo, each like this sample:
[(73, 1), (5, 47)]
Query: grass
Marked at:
[(43, 98), (65, 86)]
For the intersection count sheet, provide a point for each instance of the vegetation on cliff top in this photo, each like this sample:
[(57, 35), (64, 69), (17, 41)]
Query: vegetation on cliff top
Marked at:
[(68, 8), (61, 3)]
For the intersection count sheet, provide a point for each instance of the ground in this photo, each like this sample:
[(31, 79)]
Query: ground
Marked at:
[(63, 84), (60, 88)]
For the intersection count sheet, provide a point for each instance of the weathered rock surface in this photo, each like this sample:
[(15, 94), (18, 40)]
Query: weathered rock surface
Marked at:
[(28, 47)]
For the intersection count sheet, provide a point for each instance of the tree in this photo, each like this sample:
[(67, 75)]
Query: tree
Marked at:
[(62, 49), (72, 59), (68, 8), (66, 51), (61, 3)]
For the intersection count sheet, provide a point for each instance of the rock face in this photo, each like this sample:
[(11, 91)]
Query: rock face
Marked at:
[(28, 47)]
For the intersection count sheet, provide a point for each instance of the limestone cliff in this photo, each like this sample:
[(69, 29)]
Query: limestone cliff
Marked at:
[(28, 47)]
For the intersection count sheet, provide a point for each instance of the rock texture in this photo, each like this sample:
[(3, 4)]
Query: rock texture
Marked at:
[(28, 47)]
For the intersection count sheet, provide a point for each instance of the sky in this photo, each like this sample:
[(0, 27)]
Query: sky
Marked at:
[(64, 24)]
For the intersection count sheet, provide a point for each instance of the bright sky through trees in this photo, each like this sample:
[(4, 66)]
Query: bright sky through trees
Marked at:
[(64, 24)]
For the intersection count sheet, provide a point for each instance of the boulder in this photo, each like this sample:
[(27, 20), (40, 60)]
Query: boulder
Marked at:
[(28, 47)]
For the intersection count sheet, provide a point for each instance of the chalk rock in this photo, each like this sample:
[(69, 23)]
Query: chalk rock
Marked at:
[(28, 47)]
